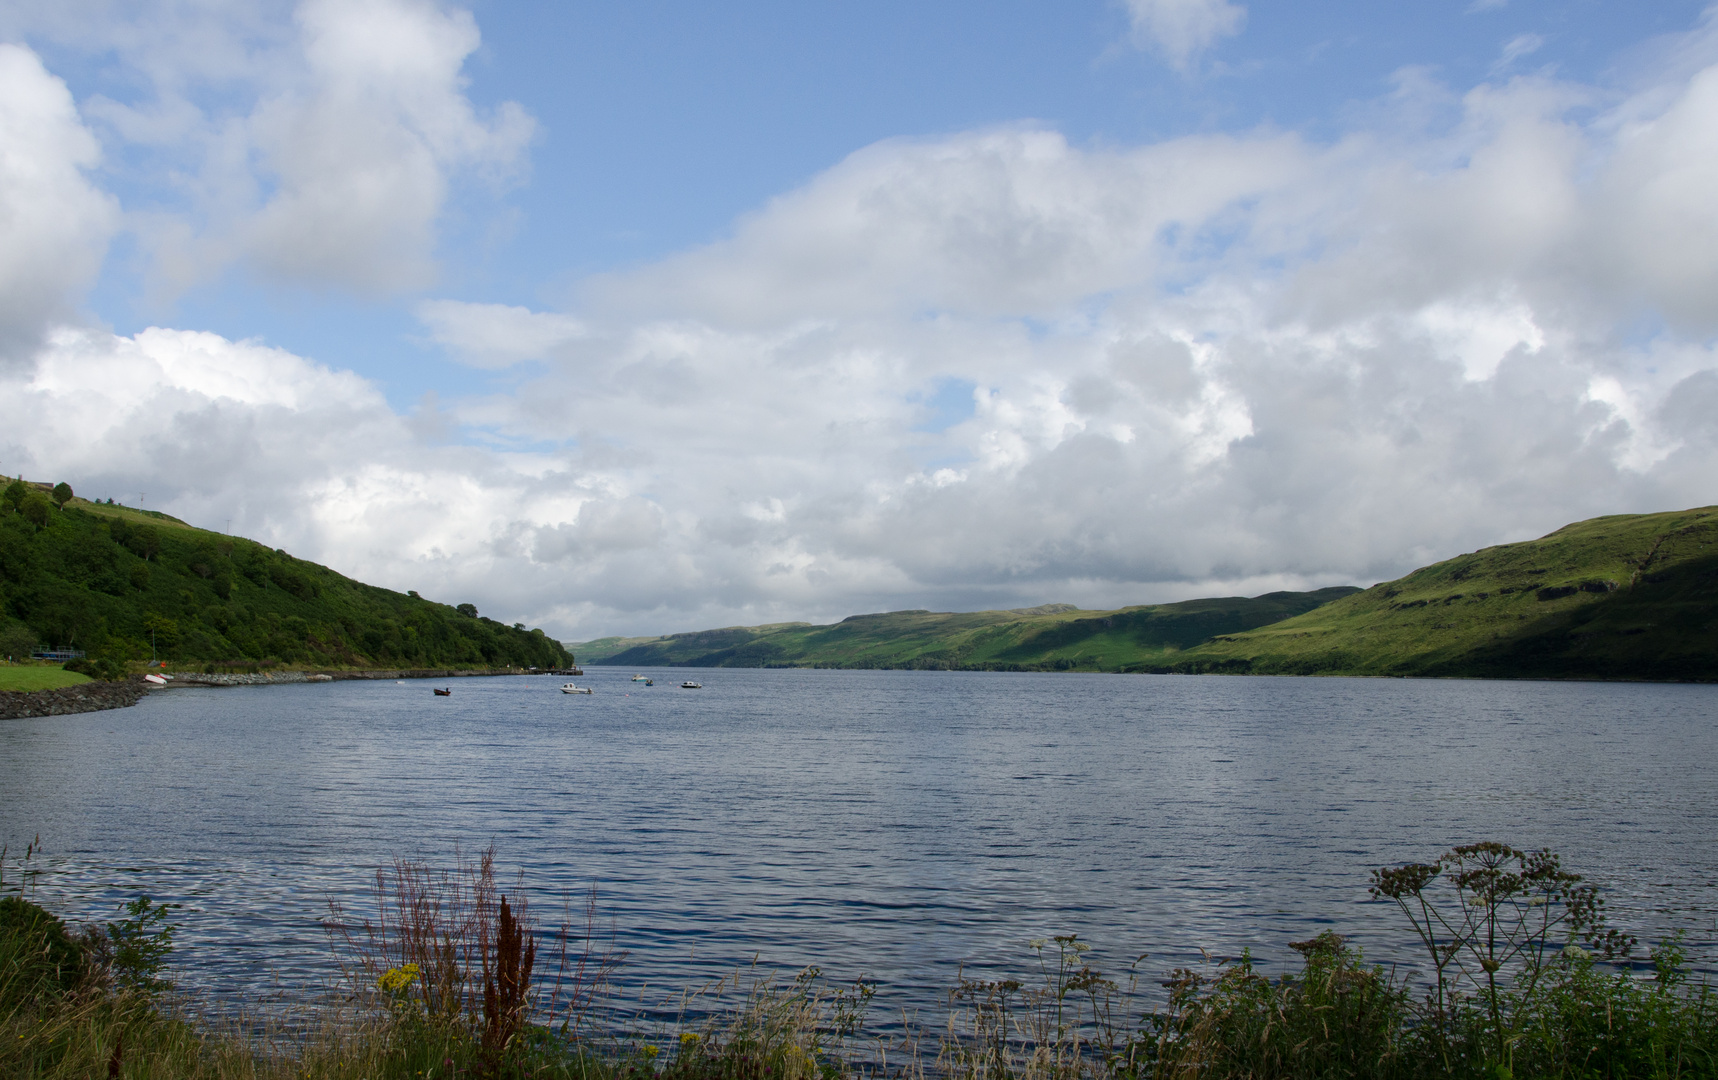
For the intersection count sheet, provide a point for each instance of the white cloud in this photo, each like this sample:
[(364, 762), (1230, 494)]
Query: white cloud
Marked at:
[(317, 145), (360, 151), (1183, 29), (1205, 365), (54, 224), (496, 335)]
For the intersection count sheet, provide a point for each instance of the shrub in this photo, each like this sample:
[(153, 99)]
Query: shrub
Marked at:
[(36, 508), (37, 954)]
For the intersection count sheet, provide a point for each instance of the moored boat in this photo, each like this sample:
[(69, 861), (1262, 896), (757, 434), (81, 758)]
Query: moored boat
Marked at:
[(690, 685), (575, 688)]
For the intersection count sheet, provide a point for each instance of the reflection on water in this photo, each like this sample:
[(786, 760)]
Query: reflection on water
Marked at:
[(891, 824)]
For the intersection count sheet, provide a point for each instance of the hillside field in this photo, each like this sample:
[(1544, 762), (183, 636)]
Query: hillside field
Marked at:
[(124, 584)]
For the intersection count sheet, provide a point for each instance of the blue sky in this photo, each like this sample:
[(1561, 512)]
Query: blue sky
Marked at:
[(781, 310)]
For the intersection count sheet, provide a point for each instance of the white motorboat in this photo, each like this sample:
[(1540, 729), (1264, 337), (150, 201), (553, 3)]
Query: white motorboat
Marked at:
[(641, 678), (575, 688), (690, 685)]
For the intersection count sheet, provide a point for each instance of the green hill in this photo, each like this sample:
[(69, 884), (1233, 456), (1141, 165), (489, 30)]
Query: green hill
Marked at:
[(1624, 597), (1056, 637), (109, 579)]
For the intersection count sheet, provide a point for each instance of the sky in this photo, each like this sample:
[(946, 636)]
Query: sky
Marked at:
[(639, 318)]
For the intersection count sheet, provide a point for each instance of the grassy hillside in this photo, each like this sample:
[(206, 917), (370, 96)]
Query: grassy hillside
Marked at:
[(1628, 596), (109, 579), (1056, 637)]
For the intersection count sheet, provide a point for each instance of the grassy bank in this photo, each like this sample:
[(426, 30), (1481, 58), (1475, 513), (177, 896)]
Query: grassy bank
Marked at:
[(127, 585), (449, 976), (38, 677)]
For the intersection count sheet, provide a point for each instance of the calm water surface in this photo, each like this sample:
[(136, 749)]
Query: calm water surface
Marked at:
[(893, 824)]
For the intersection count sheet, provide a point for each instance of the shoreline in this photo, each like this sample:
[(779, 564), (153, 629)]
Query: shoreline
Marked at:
[(98, 695)]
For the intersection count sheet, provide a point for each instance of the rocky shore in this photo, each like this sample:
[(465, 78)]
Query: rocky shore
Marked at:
[(95, 696), (88, 697)]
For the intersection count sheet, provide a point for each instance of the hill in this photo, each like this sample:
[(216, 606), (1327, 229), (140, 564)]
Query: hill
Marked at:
[(112, 580), (1631, 596), (1055, 637)]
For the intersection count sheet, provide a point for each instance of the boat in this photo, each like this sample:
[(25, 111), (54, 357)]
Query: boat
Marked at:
[(442, 693), (690, 685), (575, 688), (640, 678), (650, 682)]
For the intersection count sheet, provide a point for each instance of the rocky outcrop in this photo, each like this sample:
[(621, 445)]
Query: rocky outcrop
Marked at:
[(85, 697)]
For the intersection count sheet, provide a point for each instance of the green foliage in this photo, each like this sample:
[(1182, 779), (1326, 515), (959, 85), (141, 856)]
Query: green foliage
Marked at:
[(37, 954), (1627, 597), (17, 641), (142, 942), (1055, 637), (14, 495), (101, 578), (97, 668), (62, 494), (36, 509)]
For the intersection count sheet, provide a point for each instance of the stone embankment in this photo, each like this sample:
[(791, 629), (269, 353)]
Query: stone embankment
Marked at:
[(85, 697), (94, 696)]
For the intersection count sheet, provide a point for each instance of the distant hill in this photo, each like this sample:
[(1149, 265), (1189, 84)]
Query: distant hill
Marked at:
[(106, 578), (1630, 596), (1055, 637)]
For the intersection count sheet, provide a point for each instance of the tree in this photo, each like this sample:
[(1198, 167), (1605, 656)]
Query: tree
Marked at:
[(17, 640), (62, 494), (36, 509), (468, 610), (14, 496)]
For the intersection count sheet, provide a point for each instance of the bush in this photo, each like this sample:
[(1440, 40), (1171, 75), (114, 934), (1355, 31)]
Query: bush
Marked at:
[(37, 954), (102, 668)]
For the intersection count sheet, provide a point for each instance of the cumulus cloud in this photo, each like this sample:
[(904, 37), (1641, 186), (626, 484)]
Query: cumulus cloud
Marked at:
[(317, 145), (54, 224), (1206, 365), (361, 151), (1183, 29)]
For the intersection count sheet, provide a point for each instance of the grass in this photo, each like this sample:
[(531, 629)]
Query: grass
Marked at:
[(1520, 946), (1627, 596), (126, 585), (1053, 637), (37, 677)]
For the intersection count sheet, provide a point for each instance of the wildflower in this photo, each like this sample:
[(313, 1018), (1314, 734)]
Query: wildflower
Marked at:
[(651, 1051), (688, 1038), (397, 979)]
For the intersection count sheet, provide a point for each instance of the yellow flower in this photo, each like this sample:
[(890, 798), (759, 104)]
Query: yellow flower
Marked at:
[(687, 1038), (396, 979), (652, 1051)]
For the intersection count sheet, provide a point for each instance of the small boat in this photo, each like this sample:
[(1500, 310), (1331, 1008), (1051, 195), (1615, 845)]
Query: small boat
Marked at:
[(575, 688), (155, 680), (443, 693), (650, 682), (640, 678), (690, 685)]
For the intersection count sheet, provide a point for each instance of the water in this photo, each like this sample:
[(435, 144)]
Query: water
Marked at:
[(891, 824)]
